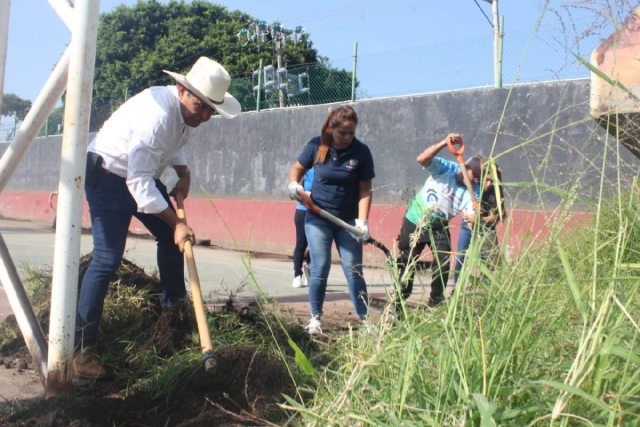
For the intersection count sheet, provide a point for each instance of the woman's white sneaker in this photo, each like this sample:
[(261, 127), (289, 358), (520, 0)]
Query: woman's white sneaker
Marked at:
[(299, 282)]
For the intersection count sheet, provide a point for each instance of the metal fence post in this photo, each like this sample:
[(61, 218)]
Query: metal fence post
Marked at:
[(501, 40), (353, 72), (260, 70)]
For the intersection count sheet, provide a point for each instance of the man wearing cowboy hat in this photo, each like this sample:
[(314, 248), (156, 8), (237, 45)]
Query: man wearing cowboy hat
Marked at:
[(124, 163)]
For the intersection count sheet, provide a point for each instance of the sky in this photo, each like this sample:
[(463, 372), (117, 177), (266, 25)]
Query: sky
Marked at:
[(382, 28)]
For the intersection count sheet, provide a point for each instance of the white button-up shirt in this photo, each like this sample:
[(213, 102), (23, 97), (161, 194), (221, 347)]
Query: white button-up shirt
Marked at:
[(140, 139)]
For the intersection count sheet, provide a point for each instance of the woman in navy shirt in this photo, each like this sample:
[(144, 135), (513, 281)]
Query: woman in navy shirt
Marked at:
[(341, 186)]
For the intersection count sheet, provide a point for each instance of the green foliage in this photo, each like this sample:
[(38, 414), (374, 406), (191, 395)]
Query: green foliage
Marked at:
[(549, 338), (13, 105), (136, 43), (55, 118), (326, 84)]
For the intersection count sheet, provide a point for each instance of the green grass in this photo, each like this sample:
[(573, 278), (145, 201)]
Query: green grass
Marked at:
[(545, 340), (549, 337)]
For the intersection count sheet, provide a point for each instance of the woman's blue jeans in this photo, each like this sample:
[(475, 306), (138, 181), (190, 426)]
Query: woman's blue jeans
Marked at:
[(111, 207), (489, 247), (320, 236), (464, 240)]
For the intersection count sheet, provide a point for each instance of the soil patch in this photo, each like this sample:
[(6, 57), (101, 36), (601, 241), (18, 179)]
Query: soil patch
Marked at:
[(156, 374)]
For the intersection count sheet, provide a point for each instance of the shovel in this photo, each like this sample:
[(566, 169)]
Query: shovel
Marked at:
[(308, 203), (209, 360), (465, 176)]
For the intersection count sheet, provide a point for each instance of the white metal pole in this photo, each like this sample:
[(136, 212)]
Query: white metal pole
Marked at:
[(33, 122), (25, 316), (65, 11), (5, 7), (64, 287)]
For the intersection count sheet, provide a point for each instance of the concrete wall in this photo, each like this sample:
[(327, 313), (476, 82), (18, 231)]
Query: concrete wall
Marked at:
[(249, 157), (540, 133)]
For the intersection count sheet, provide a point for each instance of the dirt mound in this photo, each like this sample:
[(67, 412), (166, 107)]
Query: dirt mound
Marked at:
[(246, 379), (172, 331), (157, 378), (100, 405)]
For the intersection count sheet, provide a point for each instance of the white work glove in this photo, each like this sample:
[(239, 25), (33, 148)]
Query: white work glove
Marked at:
[(293, 190), (363, 226)]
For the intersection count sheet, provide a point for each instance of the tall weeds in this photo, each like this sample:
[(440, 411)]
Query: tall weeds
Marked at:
[(548, 337)]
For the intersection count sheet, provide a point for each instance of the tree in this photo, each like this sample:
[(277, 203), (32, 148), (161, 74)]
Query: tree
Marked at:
[(13, 105), (55, 118), (136, 43)]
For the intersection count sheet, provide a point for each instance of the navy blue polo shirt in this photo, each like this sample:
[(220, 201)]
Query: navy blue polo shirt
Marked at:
[(336, 184)]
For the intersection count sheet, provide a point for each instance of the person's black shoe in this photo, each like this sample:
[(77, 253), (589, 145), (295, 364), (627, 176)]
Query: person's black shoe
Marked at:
[(435, 301)]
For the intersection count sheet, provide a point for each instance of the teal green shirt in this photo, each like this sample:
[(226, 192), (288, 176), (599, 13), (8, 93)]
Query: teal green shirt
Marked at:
[(441, 198)]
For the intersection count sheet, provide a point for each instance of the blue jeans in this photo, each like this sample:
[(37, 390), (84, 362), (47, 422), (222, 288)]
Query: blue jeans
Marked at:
[(464, 240), (111, 207), (489, 251), (320, 235)]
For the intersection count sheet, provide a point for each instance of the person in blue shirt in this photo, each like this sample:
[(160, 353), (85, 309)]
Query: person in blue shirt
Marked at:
[(301, 271), (341, 186), (490, 216), (426, 221)]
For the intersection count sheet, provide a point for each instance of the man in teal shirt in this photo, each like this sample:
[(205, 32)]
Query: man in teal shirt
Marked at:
[(426, 221)]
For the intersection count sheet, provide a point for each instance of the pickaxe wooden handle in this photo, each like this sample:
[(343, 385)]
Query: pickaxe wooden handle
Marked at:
[(196, 293)]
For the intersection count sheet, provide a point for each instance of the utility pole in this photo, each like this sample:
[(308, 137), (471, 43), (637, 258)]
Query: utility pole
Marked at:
[(498, 34), (497, 69), (260, 32), (279, 55)]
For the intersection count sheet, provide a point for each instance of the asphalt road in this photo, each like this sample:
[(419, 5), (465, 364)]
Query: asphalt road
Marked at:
[(31, 245)]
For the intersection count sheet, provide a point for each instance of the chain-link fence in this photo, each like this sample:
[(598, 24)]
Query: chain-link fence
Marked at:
[(546, 55), (460, 64)]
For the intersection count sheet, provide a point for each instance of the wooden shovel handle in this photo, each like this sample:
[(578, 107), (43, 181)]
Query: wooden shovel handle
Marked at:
[(196, 293), (465, 176)]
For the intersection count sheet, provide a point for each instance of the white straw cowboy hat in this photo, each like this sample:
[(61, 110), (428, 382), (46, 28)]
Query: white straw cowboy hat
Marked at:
[(209, 81)]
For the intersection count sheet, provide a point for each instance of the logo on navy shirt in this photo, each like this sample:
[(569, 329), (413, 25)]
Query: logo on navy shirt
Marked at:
[(352, 164)]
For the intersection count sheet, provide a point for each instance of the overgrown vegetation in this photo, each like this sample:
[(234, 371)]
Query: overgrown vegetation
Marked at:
[(154, 356), (549, 339)]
